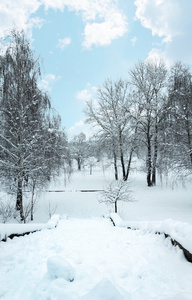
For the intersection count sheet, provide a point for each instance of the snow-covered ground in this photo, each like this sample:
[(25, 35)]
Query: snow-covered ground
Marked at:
[(86, 258), (7, 230), (151, 204), (90, 259)]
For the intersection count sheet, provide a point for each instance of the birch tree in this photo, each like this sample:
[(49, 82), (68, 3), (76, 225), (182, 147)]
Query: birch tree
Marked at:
[(26, 140)]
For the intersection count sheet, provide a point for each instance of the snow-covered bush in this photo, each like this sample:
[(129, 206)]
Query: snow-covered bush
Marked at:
[(115, 191), (6, 210)]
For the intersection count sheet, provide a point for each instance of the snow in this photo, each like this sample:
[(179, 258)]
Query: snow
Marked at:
[(115, 218), (9, 229), (104, 259), (179, 231), (104, 290), (57, 267), (52, 223), (84, 257)]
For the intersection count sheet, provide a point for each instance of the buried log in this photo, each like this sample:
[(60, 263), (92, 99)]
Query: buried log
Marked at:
[(71, 191), (11, 236), (187, 254), (7, 230)]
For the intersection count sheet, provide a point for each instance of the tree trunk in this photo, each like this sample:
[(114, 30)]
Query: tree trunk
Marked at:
[(129, 165), (123, 165), (32, 200), (149, 165), (79, 163), (122, 157), (19, 202), (115, 206), (189, 138), (115, 165), (155, 157)]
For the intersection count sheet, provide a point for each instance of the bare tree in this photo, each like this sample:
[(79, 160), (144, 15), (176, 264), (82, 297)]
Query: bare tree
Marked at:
[(115, 192), (177, 129), (111, 115), (79, 148), (149, 81)]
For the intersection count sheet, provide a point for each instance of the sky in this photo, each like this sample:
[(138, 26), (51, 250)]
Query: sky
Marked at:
[(84, 42)]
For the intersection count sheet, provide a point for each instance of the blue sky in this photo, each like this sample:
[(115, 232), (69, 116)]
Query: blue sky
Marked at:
[(84, 42)]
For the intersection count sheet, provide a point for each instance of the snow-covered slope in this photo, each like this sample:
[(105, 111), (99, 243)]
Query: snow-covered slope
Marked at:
[(178, 232), (90, 259), (86, 257)]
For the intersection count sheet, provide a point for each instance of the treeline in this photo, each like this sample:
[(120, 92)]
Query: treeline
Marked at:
[(149, 115), (33, 147)]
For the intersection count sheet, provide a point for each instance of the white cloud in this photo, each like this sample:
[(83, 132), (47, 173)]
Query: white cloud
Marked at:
[(161, 16), (78, 124), (18, 13), (84, 95), (171, 20), (133, 41), (56, 4), (103, 20), (157, 55), (47, 82), (79, 127), (102, 33), (87, 94), (62, 43)]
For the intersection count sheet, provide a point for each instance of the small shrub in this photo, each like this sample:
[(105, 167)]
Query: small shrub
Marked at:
[(6, 210), (115, 191)]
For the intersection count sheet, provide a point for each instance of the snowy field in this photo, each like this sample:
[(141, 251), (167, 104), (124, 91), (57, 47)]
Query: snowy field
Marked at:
[(151, 204), (86, 258)]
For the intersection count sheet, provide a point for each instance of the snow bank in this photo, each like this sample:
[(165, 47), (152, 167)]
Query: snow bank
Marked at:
[(178, 231), (115, 218), (7, 230), (57, 267), (52, 223)]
